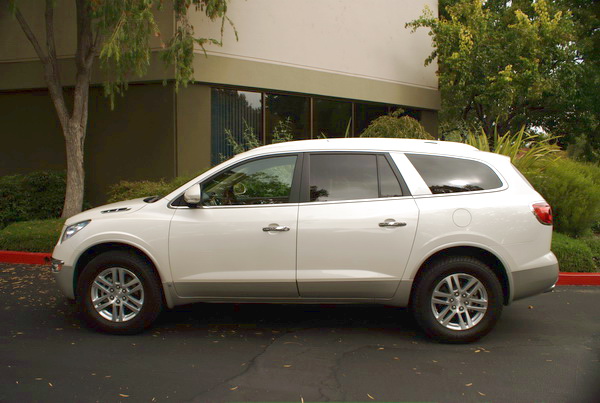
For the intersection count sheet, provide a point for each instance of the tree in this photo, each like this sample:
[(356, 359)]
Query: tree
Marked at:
[(396, 125), (504, 64), (117, 33)]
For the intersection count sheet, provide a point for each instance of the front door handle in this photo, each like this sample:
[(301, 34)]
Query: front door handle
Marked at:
[(278, 228), (392, 224)]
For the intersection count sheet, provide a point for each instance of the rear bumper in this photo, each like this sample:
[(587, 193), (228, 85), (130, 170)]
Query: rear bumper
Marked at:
[(534, 281)]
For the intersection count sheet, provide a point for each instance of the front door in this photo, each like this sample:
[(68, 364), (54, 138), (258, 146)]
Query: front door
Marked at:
[(356, 231), (242, 241)]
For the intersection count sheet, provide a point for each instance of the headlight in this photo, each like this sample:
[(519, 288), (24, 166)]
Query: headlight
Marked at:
[(73, 229)]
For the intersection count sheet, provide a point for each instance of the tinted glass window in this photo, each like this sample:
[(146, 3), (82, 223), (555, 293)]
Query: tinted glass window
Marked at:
[(388, 182), (331, 118), (343, 177), (263, 181), (286, 117), (233, 114), (449, 175)]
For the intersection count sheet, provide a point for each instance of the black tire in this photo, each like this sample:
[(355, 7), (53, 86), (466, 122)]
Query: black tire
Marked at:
[(423, 306), (134, 267)]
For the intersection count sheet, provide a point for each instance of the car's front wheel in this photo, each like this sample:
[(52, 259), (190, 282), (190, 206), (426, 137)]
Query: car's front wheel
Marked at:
[(119, 293), (457, 299)]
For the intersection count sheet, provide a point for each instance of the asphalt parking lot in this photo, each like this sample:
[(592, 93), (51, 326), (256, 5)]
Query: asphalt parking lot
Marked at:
[(546, 348)]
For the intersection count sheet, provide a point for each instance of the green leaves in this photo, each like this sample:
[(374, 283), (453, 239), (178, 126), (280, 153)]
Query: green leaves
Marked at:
[(395, 125), (125, 28), (501, 64), (526, 150), (179, 52)]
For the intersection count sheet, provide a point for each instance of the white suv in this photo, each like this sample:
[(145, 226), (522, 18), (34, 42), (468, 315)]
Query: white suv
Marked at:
[(452, 232)]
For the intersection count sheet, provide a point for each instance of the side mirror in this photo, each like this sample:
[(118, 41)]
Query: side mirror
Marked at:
[(193, 196)]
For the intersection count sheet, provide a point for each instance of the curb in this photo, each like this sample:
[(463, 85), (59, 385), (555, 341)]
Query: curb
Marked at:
[(6, 256), (578, 279)]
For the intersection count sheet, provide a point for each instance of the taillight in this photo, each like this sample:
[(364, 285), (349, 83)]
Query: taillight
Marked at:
[(543, 212)]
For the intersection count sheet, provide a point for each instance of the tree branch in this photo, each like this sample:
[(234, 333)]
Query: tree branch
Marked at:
[(83, 60), (50, 42), (30, 35)]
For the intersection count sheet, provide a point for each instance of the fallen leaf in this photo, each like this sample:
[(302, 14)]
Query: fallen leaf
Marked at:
[(234, 388), (530, 306), (287, 365), (123, 395), (38, 379), (469, 384), (482, 394), (370, 397), (380, 348)]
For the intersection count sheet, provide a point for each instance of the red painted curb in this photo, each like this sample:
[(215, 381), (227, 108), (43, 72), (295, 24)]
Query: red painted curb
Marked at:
[(578, 279), (44, 258), (7, 256)]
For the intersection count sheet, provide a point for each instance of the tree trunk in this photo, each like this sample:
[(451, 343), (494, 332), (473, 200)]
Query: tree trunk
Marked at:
[(73, 124), (74, 140)]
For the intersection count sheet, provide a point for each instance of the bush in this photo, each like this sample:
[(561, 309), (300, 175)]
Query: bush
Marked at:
[(573, 255), (396, 126), (593, 243), (573, 190), (31, 236), (127, 190), (33, 196)]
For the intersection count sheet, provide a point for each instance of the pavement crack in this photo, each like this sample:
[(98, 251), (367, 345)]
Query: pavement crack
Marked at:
[(251, 364)]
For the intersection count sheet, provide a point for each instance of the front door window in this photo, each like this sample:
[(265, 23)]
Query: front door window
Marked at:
[(262, 181)]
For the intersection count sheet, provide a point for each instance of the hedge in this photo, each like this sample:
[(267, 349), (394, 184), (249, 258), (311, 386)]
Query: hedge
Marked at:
[(574, 255), (573, 190), (33, 196), (127, 190)]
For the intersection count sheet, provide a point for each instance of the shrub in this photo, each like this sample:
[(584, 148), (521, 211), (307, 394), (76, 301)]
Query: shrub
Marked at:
[(573, 255), (593, 243), (573, 191), (33, 196), (396, 126), (127, 190), (31, 236), (526, 150)]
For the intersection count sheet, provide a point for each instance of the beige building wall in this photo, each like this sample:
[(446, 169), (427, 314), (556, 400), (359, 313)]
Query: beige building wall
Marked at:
[(15, 47), (193, 129), (354, 38)]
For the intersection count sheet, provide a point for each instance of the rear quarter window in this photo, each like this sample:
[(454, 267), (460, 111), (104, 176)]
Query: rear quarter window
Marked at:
[(452, 175)]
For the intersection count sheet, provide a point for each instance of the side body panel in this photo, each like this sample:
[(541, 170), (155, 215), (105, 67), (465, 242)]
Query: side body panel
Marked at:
[(224, 252), (343, 252)]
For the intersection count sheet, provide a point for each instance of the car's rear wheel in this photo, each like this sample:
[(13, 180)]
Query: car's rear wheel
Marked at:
[(457, 300), (118, 293)]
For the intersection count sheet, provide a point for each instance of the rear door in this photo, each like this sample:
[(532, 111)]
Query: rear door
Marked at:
[(356, 226)]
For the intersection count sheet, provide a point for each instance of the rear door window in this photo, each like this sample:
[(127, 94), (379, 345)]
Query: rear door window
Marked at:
[(335, 177), (451, 175)]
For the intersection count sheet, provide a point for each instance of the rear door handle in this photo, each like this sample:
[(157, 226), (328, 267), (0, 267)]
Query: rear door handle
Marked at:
[(392, 224), (276, 228)]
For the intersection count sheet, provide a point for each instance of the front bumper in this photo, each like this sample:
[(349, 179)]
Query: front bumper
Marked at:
[(534, 281), (64, 277)]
